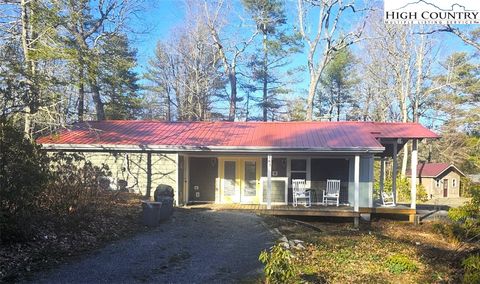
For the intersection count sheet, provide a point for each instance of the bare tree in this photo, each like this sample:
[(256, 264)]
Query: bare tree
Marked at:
[(85, 25), (323, 39), (469, 37), (229, 51), (397, 81), (185, 72)]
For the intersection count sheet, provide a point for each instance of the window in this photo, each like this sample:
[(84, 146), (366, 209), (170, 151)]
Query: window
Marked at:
[(298, 168), (437, 183), (229, 178), (454, 182)]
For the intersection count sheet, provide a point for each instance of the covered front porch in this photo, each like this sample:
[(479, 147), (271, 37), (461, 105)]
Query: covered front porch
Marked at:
[(262, 182)]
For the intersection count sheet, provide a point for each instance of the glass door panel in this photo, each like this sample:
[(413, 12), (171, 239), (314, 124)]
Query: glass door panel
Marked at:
[(229, 179)]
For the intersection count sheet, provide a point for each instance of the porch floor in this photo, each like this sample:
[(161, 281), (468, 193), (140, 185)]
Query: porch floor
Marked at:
[(314, 210)]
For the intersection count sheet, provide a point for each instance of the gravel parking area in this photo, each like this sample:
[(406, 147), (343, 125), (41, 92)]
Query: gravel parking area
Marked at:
[(195, 246)]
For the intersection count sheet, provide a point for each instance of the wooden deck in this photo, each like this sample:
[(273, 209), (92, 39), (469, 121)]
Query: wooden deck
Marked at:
[(314, 210)]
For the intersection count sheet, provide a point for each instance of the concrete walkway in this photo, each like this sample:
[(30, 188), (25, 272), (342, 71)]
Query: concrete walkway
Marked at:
[(195, 246)]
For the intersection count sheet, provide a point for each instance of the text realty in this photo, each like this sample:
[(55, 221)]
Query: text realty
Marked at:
[(429, 15)]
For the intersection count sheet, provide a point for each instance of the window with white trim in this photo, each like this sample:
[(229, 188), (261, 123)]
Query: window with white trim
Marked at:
[(437, 183), (454, 182), (298, 169)]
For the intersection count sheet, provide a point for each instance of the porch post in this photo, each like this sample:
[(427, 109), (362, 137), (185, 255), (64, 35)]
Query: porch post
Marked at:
[(177, 190), (382, 174), (148, 192), (269, 181), (186, 176), (413, 182), (356, 181), (394, 172)]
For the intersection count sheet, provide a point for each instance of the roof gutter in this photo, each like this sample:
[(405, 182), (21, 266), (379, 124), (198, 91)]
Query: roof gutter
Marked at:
[(229, 149)]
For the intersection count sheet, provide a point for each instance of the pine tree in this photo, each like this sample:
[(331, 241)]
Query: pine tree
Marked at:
[(117, 80), (273, 55), (337, 84)]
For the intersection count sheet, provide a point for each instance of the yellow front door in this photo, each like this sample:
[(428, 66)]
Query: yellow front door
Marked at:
[(239, 180)]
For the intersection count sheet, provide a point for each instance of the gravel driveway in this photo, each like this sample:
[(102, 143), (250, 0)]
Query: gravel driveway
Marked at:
[(193, 247)]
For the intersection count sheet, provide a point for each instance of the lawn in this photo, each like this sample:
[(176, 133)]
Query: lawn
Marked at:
[(380, 252)]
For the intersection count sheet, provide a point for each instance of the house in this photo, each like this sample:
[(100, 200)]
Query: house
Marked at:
[(439, 179), (244, 162)]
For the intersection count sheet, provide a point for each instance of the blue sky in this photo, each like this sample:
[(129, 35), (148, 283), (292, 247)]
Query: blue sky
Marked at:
[(156, 21), (159, 17)]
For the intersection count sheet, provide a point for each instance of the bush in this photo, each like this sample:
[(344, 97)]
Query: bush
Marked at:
[(467, 186), (399, 264), (403, 190), (471, 265), (453, 232), (278, 265), (36, 189), (468, 217), (73, 189), (23, 175)]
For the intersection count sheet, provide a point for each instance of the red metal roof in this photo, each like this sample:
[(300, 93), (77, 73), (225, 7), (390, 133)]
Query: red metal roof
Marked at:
[(432, 169), (289, 135)]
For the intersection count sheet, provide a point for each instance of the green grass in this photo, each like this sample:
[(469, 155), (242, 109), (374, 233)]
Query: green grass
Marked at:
[(398, 264), (386, 252)]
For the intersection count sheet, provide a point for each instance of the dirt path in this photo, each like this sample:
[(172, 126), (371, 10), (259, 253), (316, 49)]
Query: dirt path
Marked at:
[(193, 247)]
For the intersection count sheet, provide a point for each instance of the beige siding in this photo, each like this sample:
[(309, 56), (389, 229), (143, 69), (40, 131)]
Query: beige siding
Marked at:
[(132, 167), (437, 192), (164, 171)]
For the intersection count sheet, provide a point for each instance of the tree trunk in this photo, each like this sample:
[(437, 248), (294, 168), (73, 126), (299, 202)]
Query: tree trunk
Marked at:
[(81, 85), (338, 105), (97, 100), (27, 35), (169, 107), (81, 96), (367, 105), (311, 96), (232, 77), (419, 82), (403, 98), (247, 107), (265, 82)]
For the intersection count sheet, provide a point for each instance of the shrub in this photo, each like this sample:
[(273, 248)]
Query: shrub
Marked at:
[(403, 190), (23, 175), (467, 217), (36, 189), (453, 232), (278, 265), (466, 186), (399, 264), (471, 265), (73, 189)]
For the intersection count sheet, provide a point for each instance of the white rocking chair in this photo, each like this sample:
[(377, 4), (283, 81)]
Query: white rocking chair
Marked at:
[(387, 199), (300, 192), (332, 192)]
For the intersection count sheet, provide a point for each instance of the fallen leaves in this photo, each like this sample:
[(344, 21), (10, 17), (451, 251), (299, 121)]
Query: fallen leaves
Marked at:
[(56, 241), (336, 254)]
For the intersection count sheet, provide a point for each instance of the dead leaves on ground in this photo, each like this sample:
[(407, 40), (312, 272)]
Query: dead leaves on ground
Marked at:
[(55, 242), (339, 254)]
